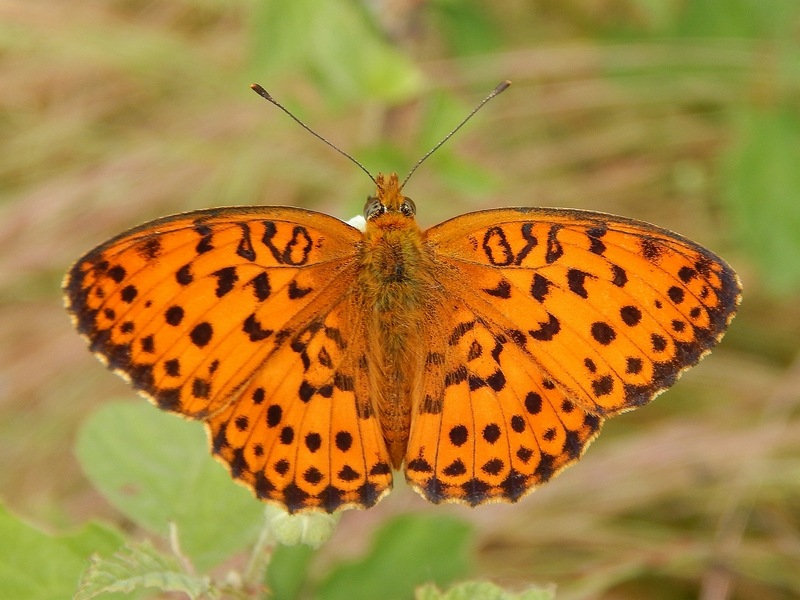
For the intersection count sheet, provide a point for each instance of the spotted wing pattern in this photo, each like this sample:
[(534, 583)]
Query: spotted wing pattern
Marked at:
[(200, 311), (303, 433), (576, 315), (545, 322), (491, 425)]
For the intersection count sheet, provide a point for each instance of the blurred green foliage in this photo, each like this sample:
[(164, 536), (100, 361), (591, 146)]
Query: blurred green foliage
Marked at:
[(337, 46), (39, 566), (392, 570), (760, 179), (168, 479)]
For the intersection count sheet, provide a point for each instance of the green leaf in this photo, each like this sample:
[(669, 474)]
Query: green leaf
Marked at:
[(140, 566), (35, 565), (336, 43), (483, 590), (407, 552), (288, 571), (156, 469)]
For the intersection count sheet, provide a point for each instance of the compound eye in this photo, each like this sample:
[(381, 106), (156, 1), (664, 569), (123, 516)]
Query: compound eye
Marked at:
[(408, 208), (373, 208)]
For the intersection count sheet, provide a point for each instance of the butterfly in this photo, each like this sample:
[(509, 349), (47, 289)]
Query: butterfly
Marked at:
[(481, 355)]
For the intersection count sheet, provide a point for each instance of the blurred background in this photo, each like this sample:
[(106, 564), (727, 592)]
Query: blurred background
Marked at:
[(684, 114)]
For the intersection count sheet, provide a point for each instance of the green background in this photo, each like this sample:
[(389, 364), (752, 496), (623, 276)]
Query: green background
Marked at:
[(685, 114)]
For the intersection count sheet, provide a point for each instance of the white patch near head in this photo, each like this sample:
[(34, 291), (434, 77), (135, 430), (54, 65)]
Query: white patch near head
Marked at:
[(359, 222)]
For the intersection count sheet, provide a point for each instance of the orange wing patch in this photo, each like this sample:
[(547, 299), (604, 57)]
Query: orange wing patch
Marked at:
[(302, 434), (611, 310), (492, 426), (188, 307)]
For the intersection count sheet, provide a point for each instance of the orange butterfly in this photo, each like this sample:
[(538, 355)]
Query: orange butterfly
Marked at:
[(483, 353)]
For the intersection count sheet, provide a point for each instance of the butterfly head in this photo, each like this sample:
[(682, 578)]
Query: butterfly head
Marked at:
[(389, 199)]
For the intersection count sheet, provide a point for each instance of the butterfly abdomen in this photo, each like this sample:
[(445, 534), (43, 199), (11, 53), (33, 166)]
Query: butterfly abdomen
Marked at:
[(395, 287)]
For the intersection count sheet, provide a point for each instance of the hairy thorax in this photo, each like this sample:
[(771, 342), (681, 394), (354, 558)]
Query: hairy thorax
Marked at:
[(395, 289)]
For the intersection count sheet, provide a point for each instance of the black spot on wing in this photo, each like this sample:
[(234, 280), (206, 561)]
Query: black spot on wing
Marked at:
[(554, 248), (245, 248), (129, 293), (459, 331), (184, 275), (651, 250), (117, 273), (296, 291), (201, 334), (576, 280), (226, 279), (149, 248), (619, 276), (603, 333), (261, 286), (547, 331), (254, 329), (539, 287), (501, 290)]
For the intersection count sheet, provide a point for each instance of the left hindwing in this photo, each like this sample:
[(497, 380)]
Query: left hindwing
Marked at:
[(303, 433)]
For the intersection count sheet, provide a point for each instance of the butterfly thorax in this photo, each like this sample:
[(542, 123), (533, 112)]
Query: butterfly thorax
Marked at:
[(394, 287)]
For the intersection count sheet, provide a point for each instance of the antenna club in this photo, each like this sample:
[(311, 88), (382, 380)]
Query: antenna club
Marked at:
[(261, 91)]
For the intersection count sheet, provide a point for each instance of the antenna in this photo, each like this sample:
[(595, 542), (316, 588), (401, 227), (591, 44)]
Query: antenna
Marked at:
[(496, 91), (265, 94)]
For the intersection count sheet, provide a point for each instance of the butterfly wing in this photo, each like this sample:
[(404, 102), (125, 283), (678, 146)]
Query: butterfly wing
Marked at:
[(612, 309), (303, 433), (491, 425), (200, 310), (592, 312)]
